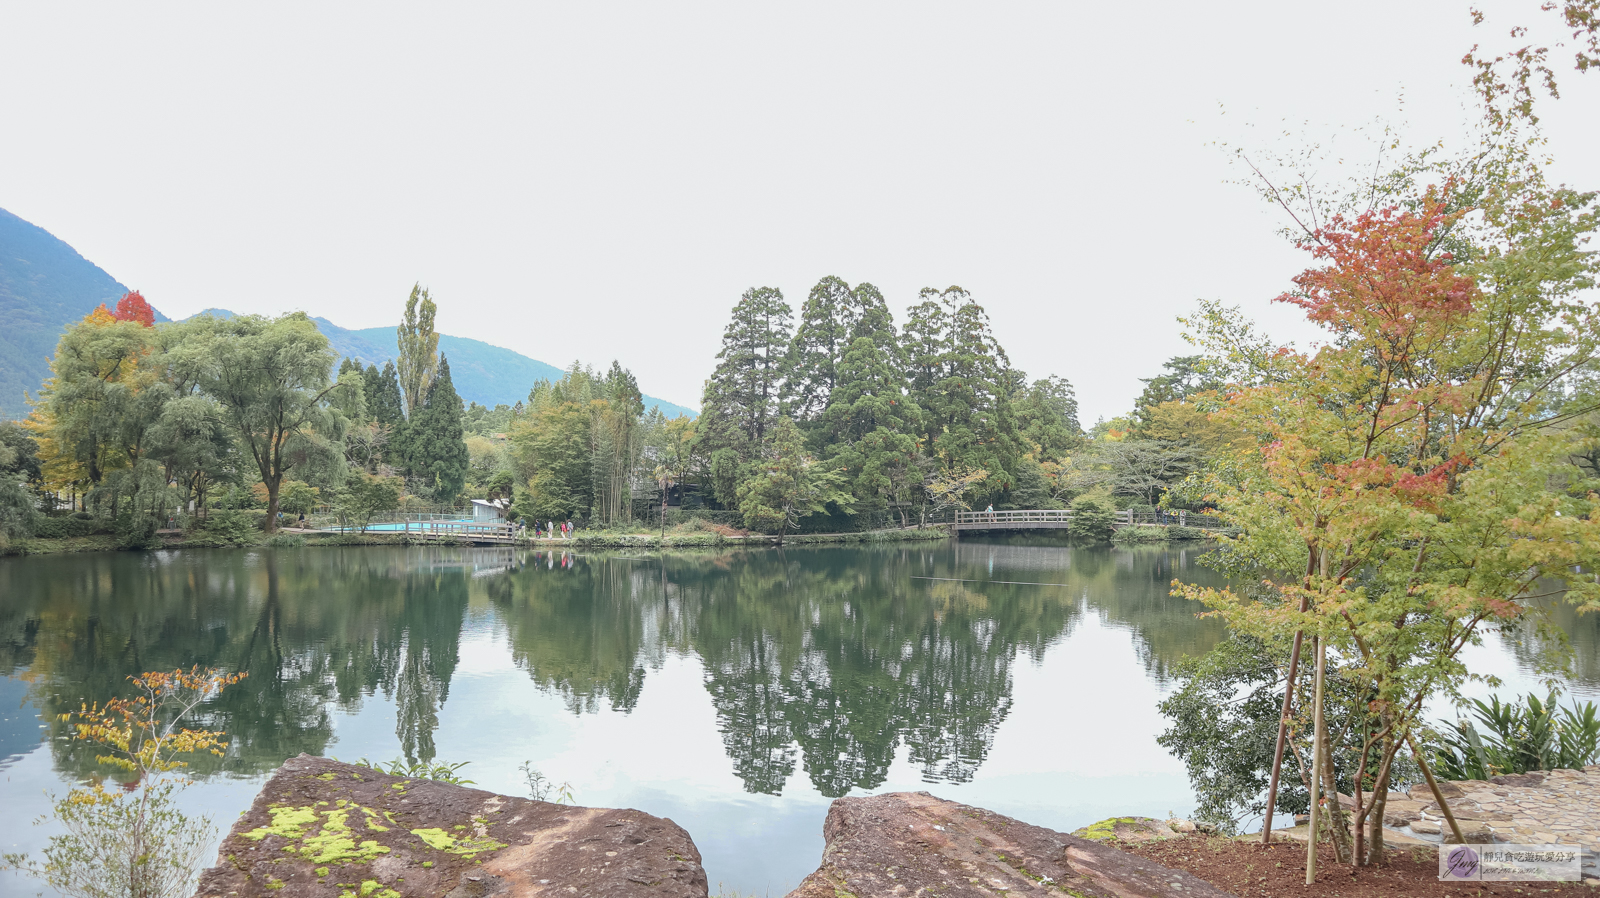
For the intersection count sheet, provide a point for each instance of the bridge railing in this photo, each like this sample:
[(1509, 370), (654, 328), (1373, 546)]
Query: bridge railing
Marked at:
[(463, 529), (1026, 516), (1129, 516)]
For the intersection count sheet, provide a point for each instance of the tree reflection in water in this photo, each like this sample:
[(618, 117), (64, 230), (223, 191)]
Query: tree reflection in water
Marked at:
[(833, 659)]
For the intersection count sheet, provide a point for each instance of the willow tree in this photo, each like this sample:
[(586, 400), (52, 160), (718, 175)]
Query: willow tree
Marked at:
[(419, 348), (271, 378)]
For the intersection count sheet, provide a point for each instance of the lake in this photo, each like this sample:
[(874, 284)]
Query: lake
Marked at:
[(734, 692)]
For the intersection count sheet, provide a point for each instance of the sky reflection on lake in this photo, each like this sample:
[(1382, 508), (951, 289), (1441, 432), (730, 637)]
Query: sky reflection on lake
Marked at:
[(735, 692)]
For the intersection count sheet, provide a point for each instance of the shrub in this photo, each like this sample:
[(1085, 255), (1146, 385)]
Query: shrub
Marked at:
[(1527, 734), (1091, 521), (1176, 532), (229, 528), (77, 525)]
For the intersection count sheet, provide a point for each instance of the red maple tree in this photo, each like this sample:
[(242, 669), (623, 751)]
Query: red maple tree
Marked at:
[(132, 307)]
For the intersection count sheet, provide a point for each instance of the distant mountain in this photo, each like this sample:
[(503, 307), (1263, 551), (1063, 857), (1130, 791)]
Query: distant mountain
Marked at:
[(483, 373), (44, 286)]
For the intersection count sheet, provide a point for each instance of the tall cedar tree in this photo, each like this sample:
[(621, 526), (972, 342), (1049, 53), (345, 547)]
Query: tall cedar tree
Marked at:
[(869, 426), (820, 342), (419, 348), (1047, 417), (438, 446), (386, 406), (741, 397), (959, 381)]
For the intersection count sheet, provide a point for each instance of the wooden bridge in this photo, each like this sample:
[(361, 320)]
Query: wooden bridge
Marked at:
[(1061, 519)]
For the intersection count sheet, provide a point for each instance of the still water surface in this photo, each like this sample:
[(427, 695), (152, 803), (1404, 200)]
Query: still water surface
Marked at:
[(736, 693)]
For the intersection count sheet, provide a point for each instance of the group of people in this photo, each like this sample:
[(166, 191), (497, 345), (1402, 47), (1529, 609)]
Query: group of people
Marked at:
[(551, 530)]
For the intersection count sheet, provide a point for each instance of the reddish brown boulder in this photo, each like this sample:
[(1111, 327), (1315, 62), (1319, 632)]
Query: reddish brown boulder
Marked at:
[(913, 844), (323, 829)]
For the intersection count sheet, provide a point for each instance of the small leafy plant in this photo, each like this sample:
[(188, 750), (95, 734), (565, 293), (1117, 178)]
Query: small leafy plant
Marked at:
[(134, 842), (541, 788), (422, 770)]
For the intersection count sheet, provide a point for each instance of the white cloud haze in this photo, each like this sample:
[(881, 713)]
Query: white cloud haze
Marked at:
[(599, 181)]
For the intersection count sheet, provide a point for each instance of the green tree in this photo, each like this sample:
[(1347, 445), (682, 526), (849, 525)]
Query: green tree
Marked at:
[(959, 381), (271, 378), (820, 341), (363, 497), (740, 402), (785, 485), (550, 448), (1047, 417), (1185, 376), (419, 349), (437, 447), (95, 413), (869, 428), (20, 477), (617, 441)]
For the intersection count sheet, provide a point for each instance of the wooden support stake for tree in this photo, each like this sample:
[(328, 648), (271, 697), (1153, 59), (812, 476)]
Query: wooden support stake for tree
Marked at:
[(1283, 727), (1316, 768), (1433, 785)]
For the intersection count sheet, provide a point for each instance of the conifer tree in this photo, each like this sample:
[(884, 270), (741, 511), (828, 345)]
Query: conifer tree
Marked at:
[(386, 408), (740, 402), (617, 441), (960, 383), (820, 341), (869, 427), (1047, 416), (384, 403), (437, 445)]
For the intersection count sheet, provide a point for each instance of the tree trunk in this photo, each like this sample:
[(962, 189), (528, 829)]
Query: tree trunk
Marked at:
[(272, 504), (1376, 849), (1337, 826)]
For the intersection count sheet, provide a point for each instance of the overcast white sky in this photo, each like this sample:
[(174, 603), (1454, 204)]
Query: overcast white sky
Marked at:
[(603, 180)]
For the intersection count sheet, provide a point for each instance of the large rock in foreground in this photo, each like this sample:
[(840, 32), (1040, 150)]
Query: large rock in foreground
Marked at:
[(330, 830), (912, 844)]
